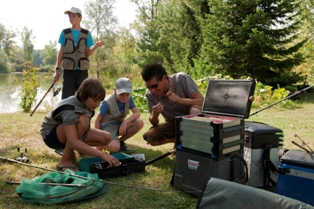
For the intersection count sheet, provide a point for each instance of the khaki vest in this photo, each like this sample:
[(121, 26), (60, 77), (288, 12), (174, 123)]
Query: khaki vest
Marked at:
[(114, 113), (75, 55)]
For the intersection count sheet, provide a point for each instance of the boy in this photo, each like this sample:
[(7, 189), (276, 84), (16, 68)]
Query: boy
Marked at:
[(67, 126), (112, 116), (73, 54)]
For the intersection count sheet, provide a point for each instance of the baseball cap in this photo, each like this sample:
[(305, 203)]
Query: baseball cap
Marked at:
[(74, 10), (123, 85)]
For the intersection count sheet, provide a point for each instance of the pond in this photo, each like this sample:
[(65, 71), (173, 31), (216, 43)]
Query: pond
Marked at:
[(10, 90)]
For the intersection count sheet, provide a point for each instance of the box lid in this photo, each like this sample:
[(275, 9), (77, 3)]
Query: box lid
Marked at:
[(229, 97), (298, 158)]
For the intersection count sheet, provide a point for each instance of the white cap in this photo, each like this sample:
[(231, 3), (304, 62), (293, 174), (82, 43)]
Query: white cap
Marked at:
[(123, 85), (73, 10)]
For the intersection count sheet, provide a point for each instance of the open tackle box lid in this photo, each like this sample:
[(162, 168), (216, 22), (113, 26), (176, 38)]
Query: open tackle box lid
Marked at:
[(229, 97)]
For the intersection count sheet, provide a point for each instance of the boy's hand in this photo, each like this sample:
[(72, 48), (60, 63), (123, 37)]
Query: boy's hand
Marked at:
[(111, 160), (122, 129), (100, 43)]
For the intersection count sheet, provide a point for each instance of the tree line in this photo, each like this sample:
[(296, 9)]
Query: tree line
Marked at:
[(267, 40)]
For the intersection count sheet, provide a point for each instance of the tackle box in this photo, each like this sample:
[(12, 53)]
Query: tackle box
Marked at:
[(261, 140), (127, 166), (296, 176), (205, 142), (85, 162)]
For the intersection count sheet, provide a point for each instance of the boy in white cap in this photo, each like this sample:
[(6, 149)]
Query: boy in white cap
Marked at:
[(112, 116), (74, 53)]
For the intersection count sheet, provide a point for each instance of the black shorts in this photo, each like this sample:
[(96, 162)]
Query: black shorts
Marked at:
[(52, 141)]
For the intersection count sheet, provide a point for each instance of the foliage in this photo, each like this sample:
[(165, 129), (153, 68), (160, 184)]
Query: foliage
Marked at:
[(4, 67), (6, 40), (140, 99), (27, 40), (50, 53), (30, 86), (252, 37)]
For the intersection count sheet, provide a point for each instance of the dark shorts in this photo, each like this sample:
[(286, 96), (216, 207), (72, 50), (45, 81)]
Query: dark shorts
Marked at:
[(52, 141), (161, 132)]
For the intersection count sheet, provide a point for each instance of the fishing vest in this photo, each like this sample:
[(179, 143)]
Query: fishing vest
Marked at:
[(114, 113), (74, 55), (53, 118)]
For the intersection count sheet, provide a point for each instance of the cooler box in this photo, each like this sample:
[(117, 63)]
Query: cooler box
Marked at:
[(296, 176), (258, 137), (205, 142)]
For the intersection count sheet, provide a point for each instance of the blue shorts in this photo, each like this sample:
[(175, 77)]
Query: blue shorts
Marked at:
[(52, 141)]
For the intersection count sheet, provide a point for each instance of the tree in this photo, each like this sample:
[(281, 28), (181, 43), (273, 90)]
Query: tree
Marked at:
[(148, 30), (27, 40), (4, 67), (49, 53), (100, 18), (254, 38), (6, 41), (180, 33)]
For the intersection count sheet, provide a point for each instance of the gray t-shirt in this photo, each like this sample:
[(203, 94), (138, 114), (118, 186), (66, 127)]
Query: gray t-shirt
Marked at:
[(67, 111), (184, 87)]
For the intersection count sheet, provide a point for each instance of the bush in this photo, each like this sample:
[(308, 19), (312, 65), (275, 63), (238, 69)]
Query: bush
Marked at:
[(30, 86)]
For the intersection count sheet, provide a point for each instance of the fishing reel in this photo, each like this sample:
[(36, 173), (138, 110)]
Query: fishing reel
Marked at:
[(22, 158), (56, 91)]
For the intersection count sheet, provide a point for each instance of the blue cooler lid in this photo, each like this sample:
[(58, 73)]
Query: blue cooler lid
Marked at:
[(229, 97), (298, 158)]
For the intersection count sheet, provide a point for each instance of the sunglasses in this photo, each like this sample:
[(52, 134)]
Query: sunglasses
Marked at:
[(154, 86)]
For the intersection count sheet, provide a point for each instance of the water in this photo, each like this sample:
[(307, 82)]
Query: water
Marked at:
[(10, 89)]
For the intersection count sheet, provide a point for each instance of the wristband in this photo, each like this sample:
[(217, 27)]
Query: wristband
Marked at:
[(57, 68)]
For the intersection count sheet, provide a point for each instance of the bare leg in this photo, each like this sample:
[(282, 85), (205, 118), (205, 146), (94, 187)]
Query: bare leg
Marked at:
[(82, 126), (132, 128)]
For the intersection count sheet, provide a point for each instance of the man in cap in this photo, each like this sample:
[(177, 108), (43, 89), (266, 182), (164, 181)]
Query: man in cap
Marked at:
[(112, 116), (74, 53)]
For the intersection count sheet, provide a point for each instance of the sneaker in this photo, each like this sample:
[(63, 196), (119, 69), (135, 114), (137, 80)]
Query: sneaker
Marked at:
[(123, 147)]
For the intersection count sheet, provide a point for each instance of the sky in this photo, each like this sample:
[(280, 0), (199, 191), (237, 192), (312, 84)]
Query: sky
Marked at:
[(46, 18)]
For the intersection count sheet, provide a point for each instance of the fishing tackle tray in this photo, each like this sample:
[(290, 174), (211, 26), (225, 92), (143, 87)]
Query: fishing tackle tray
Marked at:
[(127, 166)]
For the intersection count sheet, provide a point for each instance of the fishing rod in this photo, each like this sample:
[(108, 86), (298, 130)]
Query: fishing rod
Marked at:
[(86, 178), (288, 97), (54, 94)]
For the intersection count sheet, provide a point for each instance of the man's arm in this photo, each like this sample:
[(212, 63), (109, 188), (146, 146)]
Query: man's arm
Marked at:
[(196, 99)]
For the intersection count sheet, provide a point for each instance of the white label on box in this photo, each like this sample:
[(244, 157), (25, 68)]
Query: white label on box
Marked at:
[(192, 164)]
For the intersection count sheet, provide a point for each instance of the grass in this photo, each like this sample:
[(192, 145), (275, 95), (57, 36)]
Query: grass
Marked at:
[(21, 130)]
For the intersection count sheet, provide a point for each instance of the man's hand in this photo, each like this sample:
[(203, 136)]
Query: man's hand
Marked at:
[(173, 97), (157, 109)]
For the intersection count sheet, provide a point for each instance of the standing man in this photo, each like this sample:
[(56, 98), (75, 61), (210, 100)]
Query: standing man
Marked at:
[(74, 53), (170, 96)]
